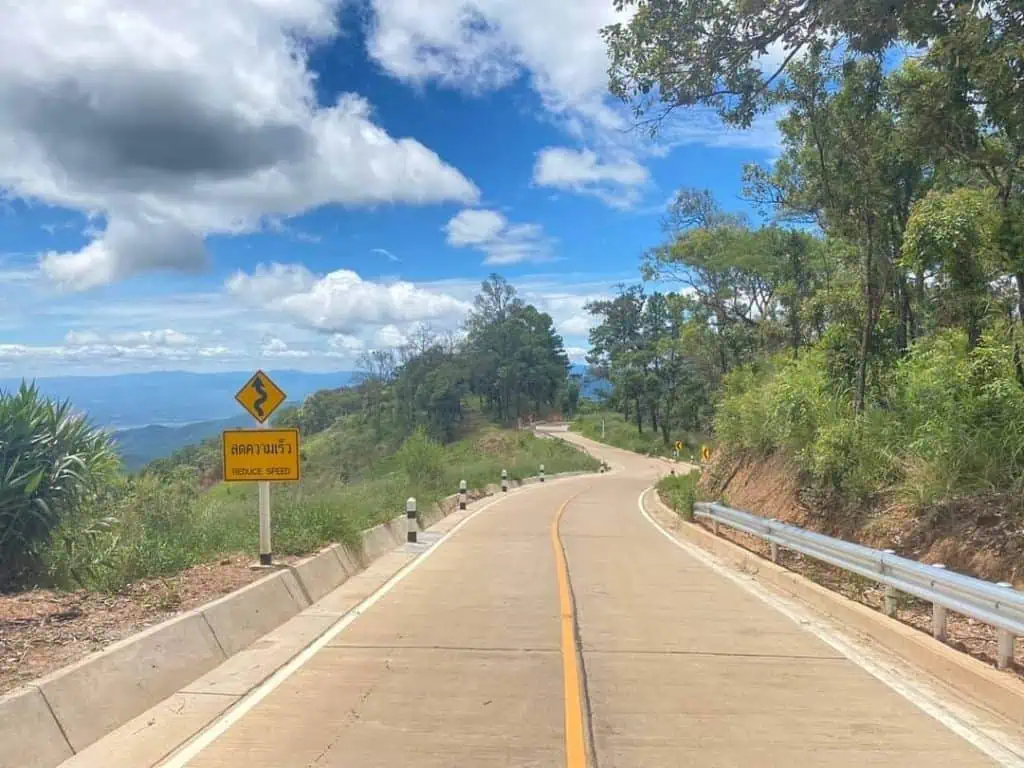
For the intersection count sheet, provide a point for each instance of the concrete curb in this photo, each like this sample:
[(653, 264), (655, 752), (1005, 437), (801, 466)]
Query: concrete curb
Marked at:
[(57, 716), (998, 691), (29, 731)]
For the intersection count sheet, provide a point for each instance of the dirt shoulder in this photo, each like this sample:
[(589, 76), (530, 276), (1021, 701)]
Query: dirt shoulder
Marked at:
[(43, 630)]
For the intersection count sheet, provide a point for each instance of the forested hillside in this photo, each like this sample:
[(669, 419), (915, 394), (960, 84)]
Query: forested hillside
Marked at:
[(419, 419), (869, 327)]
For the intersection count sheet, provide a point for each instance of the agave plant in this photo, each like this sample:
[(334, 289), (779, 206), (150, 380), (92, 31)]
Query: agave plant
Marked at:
[(50, 458)]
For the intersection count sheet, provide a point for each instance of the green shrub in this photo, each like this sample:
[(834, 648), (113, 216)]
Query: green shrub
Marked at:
[(680, 493), (50, 459), (948, 420)]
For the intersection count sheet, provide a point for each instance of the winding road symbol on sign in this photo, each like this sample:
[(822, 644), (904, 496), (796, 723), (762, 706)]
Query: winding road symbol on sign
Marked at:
[(260, 396), (257, 405)]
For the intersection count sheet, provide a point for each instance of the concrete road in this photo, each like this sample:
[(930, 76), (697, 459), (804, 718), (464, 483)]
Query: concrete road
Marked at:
[(558, 627)]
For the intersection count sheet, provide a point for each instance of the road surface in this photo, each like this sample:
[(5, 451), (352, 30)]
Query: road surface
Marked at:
[(559, 627)]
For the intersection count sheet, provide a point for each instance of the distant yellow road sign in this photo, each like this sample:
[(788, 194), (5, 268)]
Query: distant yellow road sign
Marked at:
[(705, 453), (261, 454), (679, 445), (260, 396)]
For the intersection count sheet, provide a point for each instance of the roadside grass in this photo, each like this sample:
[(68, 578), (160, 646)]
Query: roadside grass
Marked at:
[(146, 525), (679, 492), (624, 434)]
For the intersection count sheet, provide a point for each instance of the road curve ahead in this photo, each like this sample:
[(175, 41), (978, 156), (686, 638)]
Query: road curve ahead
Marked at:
[(558, 627)]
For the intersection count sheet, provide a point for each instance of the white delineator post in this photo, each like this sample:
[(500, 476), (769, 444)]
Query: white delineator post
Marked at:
[(266, 550), (410, 518), (1006, 640), (462, 494), (542, 473), (504, 481)]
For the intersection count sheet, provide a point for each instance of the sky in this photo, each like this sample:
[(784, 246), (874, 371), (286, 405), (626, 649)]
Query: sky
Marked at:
[(214, 185)]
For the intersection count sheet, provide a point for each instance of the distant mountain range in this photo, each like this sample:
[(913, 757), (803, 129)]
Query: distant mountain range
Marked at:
[(141, 445), (170, 398)]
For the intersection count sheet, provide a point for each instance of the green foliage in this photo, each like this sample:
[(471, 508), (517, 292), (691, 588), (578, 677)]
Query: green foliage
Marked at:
[(50, 460), (158, 523), (952, 422), (680, 493), (516, 361)]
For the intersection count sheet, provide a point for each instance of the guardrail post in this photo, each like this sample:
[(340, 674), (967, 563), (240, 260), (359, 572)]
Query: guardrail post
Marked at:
[(1006, 640), (542, 473), (774, 546), (504, 481), (939, 615), (410, 516), (714, 527), (891, 597), (462, 494)]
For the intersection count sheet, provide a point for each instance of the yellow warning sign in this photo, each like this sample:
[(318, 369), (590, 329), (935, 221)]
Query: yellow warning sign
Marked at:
[(261, 454), (260, 396), (679, 445), (705, 453)]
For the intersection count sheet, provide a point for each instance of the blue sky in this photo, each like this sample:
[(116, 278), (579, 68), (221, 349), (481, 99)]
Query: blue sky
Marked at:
[(232, 183)]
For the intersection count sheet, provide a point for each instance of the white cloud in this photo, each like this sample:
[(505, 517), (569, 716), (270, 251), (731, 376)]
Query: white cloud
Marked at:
[(480, 45), (474, 227), (274, 347), (502, 242), (173, 121), (108, 354), (487, 44), (576, 354), (567, 309), (344, 345), (617, 182), (389, 336), (167, 337), (340, 301)]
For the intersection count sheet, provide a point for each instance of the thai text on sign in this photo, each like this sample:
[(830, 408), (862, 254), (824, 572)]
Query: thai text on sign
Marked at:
[(261, 454)]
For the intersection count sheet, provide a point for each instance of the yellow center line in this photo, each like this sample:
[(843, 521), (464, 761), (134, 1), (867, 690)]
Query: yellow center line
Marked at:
[(575, 748)]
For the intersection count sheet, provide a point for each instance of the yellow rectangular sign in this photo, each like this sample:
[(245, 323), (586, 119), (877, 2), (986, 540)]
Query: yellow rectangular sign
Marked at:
[(261, 454)]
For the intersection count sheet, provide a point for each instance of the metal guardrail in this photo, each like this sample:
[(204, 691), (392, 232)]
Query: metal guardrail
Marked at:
[(998, 605)]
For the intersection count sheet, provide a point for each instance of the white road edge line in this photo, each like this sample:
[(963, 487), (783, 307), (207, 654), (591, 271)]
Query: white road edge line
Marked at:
[(961, 723), (190, 750)]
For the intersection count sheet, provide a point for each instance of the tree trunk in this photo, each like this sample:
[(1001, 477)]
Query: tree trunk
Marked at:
[(639, 416), (860, 392)]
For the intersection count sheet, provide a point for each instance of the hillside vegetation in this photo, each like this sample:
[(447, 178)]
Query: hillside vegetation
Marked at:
[(421, 419), (869, 331)]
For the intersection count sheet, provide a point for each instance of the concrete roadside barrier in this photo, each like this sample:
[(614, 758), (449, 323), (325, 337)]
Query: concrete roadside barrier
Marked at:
[(95, 695), (243, 617), (321, 573), (29, 732)]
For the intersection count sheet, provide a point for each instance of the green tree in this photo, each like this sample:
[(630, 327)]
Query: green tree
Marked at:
[(714, 53), (953, 236), (517, 359)]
